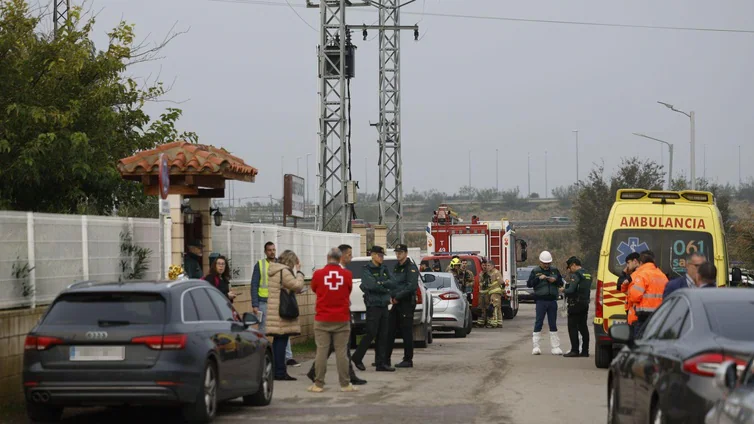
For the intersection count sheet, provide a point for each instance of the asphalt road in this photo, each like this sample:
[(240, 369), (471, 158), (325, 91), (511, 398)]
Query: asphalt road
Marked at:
[(488, 377)]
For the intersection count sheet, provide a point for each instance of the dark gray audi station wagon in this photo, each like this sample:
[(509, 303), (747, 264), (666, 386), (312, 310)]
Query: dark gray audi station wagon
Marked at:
[(177, 343)]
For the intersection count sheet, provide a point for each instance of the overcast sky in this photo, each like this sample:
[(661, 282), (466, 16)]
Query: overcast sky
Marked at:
[(249, 75)]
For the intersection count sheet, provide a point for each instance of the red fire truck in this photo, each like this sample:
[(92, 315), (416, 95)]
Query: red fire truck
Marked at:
[(492, 240)]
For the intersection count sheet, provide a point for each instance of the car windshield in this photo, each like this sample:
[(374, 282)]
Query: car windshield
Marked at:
[(357, 267), (107, 309), (731, 319), (522, 274), (441, 282), (669, 246)]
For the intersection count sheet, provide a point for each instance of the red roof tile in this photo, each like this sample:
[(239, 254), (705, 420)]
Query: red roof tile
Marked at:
[(187, 159)]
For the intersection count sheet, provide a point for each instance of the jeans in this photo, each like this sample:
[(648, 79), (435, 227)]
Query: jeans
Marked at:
[(377, 324), (263, 328), (549, 308), (278, 353), (576, 325)]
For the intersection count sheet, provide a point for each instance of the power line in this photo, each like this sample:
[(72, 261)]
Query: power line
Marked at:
[(509, 19), (300, 17)]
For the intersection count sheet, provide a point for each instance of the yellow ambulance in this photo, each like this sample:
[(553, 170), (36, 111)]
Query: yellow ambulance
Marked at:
[(673, 225)]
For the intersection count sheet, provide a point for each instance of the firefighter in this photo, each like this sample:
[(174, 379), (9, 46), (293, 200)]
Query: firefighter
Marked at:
[(466, 277), (454, 266), (484, 297), (496, 294), (625, 283), (646, 292)]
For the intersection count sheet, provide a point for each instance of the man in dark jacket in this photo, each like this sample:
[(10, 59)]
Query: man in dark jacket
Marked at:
[(406, 278), (192, 260), (546, 280), (376, 283), (690, 280), (707, 276), (577, 293)]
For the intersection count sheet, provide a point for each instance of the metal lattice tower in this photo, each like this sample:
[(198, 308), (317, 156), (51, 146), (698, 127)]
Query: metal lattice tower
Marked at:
[(335, 214), (390, 194), (60, 14)]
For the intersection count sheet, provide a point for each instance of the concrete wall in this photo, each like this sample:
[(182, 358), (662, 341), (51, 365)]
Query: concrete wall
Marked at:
[(15, 324)]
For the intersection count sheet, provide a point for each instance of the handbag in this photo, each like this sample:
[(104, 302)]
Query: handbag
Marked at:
[(288, 303)]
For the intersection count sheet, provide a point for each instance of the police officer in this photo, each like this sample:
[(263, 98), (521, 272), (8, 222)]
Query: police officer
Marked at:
[(577, 292), (403, 299), (377, 285)]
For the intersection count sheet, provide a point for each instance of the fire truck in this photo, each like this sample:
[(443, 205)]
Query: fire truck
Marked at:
[(491, 240)]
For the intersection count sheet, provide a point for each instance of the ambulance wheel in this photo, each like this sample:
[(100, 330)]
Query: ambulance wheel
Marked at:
[(603, 355), (508, 313)]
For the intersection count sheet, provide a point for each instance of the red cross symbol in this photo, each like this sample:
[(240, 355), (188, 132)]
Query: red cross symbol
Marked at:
[(334, 280)]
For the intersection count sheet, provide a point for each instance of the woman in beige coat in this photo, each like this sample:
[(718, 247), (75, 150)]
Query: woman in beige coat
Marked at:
[(285, 274)]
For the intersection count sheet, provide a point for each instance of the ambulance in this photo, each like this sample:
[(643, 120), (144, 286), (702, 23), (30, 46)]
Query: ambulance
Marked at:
[(672, 224)]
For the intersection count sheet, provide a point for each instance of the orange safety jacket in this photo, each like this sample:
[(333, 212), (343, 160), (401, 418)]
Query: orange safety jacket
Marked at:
[(645, 294), (624, 288)]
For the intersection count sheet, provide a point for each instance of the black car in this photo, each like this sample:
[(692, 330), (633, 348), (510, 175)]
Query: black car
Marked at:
[(667, 374), (160, 343)]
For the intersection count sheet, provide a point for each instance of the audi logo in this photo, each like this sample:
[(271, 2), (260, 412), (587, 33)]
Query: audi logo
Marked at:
[(96, 335)]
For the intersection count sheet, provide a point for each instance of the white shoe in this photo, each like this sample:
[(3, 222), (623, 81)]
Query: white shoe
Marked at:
[(555, 343), (536, 337)]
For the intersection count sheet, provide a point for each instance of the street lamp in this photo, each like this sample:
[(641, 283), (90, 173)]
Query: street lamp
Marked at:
[(577, 154), (692, 117), (306, 194), (298, 159), (670, 150)]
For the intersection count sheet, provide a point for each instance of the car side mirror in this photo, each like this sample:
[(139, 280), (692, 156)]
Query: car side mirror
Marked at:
[(622, 333), (429, 278), (726, 376), (250, 319)]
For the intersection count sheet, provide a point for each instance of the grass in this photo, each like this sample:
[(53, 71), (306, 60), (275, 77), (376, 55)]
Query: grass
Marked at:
[(308, 346)]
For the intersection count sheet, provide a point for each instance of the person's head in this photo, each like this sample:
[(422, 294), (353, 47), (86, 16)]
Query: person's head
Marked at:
[(401, 252), (464, 263), (490, 266), (632, 262), (346, 254), (289, 259), (455, 263), (195, 247), (334, 256), (647, 257), (545, 259), (220, 267), (693, 262), (378, 255), (270, 251), (707, 274), (573, 264)]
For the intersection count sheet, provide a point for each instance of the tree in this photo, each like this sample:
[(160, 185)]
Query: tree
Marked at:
[(534, 195), (566, 195), (487, 195), (467, 192), (68, 114), (742, 239), (722, 194), (746, 191), (596, 197)]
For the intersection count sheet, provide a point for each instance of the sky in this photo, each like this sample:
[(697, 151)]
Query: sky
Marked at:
[(247, 76)]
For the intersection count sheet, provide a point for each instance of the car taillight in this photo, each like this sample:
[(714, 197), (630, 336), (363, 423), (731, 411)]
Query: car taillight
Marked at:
[(449, 296), (598, 299), (168, 342), (40, 342), (419, 299), (707, 363)]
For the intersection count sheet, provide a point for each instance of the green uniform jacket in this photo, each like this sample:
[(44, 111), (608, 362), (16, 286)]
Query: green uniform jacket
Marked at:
[(578, 289), (406, 279), (192, 266), (543, 289), (376, 283)]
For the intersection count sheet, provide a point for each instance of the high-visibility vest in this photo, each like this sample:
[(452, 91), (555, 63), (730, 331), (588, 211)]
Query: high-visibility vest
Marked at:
[(263, 278), (646, 292)]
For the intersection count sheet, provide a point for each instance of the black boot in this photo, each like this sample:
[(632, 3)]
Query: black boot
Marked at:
[(571, 354)]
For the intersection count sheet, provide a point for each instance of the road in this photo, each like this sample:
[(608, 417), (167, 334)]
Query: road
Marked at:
[(488, 377)]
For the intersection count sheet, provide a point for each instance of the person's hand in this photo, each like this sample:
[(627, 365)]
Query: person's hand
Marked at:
[(551, 279), (542, 277), (255, 310), (231, 295)]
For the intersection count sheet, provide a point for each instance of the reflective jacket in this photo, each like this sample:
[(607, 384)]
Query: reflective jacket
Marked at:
[(646, 291)]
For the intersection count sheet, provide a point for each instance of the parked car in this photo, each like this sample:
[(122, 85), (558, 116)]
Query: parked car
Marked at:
[(666, 375), (525, 294), (167, 343), (737, 404), (450, 305), (422, 314)]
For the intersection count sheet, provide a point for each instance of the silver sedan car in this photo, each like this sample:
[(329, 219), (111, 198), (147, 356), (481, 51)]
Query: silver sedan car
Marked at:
[(451, 311)]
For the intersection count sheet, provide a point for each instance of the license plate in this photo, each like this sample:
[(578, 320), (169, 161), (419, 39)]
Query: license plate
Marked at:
[(97, 353), (363, 317), (619, 321)]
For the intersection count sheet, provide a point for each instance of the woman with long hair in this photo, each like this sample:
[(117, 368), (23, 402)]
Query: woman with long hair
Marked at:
[(219, 276), (285, 274)]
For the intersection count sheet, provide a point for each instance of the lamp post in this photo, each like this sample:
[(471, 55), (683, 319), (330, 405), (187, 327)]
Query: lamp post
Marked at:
[(577, 154), (306, 197), (670, 150), (692, 118), (545, 174), (528, 174)]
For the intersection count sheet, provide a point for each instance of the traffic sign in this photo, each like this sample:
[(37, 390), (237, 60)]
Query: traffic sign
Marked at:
[(164, 176)]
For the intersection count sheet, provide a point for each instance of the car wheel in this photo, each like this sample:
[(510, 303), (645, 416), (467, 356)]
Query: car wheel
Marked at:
[(422, 343), (430, 339), (612, 404), (469, 324), (263, 396), (203, 410), (657, 416), (43, 414), (603, 355)]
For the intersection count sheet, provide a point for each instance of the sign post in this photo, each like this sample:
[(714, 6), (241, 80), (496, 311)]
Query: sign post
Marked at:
[(293, 198), (164, 185)]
